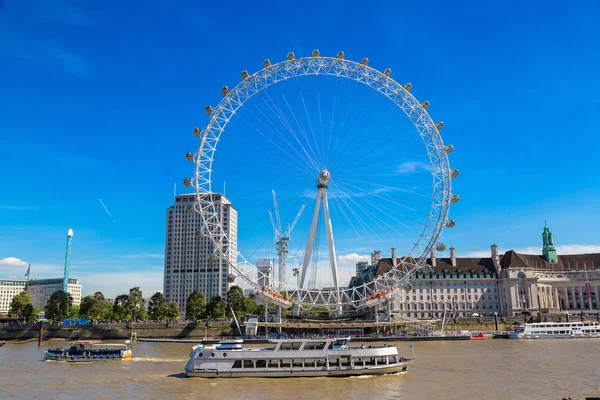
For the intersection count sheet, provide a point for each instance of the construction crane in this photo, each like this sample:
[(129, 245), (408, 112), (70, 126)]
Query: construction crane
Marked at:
[(282, 237)]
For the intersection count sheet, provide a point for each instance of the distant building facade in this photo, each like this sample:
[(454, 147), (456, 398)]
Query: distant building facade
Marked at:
[(511, 284), (191, 260), (40, 290), (8, 290)]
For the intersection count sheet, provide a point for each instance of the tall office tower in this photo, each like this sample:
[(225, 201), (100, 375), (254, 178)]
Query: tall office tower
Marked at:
[(192, 261)]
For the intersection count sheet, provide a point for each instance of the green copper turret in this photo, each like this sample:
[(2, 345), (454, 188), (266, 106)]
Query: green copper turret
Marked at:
[(549, 251)]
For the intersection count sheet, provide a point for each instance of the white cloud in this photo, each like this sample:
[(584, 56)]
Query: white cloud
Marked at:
[(146, 255), (413, 167), (13, 262), (561, 250)]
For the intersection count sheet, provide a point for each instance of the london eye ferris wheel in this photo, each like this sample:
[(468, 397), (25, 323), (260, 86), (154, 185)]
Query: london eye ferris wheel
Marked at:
[(349, 143)]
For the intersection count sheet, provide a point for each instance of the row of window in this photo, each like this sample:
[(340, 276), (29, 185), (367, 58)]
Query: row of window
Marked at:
[(315, 362)]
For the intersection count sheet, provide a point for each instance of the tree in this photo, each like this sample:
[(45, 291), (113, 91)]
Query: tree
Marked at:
[(136, 306), (59, 305), (74, 313), (21, 307), (173, 311), (236, 301), (195, 306), (95, 307), (120, 312), (158, 308), (215, 309)]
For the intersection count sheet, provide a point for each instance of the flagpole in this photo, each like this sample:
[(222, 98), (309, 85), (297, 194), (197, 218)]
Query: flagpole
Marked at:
[(28, 275)]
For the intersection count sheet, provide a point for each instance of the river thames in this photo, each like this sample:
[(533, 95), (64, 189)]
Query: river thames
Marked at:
[(490, 369)]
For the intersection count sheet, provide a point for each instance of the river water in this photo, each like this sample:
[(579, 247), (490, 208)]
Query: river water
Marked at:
[(490, 369)]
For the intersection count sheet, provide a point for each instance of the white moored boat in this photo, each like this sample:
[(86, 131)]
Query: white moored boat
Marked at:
[(293, 358), (557, 330)]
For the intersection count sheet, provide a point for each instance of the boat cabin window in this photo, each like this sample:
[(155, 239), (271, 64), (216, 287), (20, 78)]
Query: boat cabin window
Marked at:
[(237, 364), (298, 363), (345, 361), (321, 362), (339, 343), (261, 364), (273, 364), (381, 360), (290, 346), (248, 364), (315, 345), (285, 363)]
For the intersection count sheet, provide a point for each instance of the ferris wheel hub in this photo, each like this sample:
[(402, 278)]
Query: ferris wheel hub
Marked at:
[(324, 177)]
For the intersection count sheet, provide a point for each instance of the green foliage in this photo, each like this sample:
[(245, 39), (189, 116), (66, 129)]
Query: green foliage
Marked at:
[(74, 313), (236, 301), (173, 311), (158, 307), (119, 311), (95, 307), (216, 308), (195, 306), (21, 307), (59, 305), (135, 305)]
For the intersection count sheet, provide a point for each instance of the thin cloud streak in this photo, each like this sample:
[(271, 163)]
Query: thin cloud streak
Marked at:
[(146, 255), (509, 230), (107, 212)]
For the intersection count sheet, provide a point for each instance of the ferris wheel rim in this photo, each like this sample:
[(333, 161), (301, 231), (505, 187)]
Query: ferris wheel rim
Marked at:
[(337, 67)]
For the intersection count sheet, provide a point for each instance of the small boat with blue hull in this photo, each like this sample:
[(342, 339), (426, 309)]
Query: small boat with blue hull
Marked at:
[(90, 351), (294, 358)]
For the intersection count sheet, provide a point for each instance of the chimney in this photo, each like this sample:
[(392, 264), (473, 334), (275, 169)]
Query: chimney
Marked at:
[(372, 258), (495, 256), (377, 255), (452, 257), (433, 262), (394, 258)]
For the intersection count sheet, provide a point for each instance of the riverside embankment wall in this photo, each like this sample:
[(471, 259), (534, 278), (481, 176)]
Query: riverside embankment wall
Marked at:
[(113, 331)]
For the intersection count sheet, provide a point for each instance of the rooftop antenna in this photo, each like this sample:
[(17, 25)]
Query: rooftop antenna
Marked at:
[(67, 261), (224, 188), (175, 190)]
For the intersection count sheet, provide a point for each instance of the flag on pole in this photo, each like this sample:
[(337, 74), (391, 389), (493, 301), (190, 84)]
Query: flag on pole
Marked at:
[(28, 270)]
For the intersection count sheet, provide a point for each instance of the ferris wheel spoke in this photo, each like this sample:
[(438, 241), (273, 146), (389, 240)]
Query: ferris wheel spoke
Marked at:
[(376, 219), (310, 154), (298, 166), (300, 163), (343, 197), (381, 197), (389, 214), (277, 112), (271, 141), (384, 188)]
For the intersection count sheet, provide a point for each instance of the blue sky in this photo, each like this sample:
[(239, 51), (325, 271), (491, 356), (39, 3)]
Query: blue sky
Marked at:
[(97, 101)]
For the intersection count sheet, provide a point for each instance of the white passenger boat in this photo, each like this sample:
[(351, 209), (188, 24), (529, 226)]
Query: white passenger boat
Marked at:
[(293, 358), (557, 330), (90, 351)]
